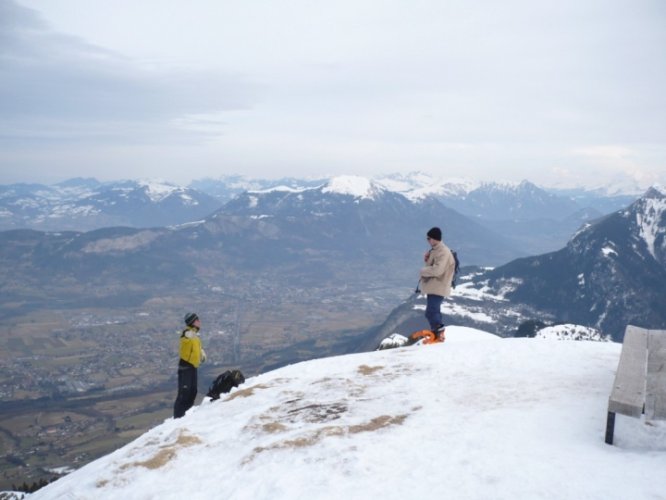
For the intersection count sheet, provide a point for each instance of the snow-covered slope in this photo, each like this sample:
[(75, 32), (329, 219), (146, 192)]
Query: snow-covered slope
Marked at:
[(474, 418), (572, 332)]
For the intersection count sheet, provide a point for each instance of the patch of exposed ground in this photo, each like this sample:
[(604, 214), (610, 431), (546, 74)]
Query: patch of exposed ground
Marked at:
[(314, 437), (164, 454), (369, 370), (247, 392)]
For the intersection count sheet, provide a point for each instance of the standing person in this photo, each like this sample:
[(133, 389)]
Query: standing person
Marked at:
[(191, 356), (435, 279)]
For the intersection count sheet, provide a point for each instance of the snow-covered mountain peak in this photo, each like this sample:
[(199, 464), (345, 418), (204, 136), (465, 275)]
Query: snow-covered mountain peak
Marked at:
[(157, 190), (418, 186), (651, 219), (449, 188), (656, 191), (352, 185), (344, 427), (404, 183)]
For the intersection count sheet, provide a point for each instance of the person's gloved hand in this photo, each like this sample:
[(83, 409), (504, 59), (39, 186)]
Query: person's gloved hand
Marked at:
[(203, 356)]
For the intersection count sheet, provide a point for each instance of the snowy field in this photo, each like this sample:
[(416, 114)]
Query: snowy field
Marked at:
[(477, 417)]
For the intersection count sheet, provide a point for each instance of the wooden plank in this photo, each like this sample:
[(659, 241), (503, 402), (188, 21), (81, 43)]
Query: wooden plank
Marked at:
[(655, 401), (628, 394)]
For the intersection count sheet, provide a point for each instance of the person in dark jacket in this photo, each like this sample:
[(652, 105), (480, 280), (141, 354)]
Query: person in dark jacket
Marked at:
[(191, 357)]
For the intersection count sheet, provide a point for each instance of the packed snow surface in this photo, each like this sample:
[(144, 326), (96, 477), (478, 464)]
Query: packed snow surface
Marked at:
[(476, 417)]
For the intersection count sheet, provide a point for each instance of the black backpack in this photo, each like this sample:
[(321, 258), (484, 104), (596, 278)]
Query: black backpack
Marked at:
[(456, 269), (224, 383)]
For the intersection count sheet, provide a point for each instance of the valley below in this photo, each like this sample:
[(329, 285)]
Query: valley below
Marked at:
[(78, 382)]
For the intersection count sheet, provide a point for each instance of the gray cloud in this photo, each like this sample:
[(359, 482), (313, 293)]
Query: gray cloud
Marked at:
[(55, 85), (497, 90)]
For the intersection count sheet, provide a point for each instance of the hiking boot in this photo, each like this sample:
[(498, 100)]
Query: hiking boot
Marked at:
[(439, 333)]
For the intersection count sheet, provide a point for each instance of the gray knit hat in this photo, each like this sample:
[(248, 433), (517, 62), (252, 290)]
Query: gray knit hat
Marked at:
[(190, 318)]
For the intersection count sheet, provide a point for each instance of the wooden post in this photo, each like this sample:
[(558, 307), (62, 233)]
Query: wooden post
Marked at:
[(610, 427)]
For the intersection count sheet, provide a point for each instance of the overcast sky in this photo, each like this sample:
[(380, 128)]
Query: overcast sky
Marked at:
[(570, 92)]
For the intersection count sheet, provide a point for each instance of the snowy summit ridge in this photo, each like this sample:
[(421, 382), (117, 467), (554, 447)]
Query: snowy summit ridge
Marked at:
[(417, 186), (476, 417), (352, 185), (157, 190)]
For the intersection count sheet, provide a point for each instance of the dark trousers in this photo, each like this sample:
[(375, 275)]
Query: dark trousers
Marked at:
[(433, 312), (187, 390)]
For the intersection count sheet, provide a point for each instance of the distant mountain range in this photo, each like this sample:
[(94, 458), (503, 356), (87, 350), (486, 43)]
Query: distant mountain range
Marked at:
[(528, 219), (611, 273), (86, 204), (534, 219), (228, 187), (312, 232), (349, 231), (356, 231), (355, 216)]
